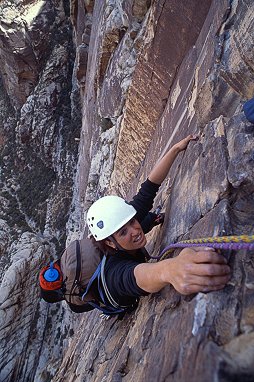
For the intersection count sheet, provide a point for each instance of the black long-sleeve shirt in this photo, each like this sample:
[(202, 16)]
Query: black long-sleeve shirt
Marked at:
[(119, 268)]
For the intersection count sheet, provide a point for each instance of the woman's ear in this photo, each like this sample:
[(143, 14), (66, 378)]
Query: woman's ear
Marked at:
[(110, 243)]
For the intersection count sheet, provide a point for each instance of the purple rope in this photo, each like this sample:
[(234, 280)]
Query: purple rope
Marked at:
[(229, 246)]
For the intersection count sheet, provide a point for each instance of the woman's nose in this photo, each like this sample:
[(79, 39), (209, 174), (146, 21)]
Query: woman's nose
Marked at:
[(134, 229)]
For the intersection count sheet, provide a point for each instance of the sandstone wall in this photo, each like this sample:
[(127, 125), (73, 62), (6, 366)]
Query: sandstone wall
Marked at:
[(193, 71), (145, 74)]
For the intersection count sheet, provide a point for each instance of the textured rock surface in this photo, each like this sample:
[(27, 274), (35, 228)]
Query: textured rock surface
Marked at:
[(149, 73), (40, 118)]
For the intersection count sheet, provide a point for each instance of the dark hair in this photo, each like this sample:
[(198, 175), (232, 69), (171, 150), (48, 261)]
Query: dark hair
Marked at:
[(103, 246)]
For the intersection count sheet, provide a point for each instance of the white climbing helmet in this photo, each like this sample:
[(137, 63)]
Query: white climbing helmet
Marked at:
[(107, 215)]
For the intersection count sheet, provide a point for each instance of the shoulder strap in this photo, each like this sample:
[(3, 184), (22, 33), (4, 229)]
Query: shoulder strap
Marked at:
[(94, 277), (78, 269)]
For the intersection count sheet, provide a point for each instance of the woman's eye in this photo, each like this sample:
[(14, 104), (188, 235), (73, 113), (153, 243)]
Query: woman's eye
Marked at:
[(123, 232)]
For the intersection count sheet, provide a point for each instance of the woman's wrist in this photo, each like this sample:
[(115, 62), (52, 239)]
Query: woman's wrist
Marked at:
[(176, 149), (166, 271)]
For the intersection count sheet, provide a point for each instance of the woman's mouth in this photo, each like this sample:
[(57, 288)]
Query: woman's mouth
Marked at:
[(139, 238)]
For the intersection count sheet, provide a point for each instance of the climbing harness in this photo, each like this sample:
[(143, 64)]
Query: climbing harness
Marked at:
[(217, 242)]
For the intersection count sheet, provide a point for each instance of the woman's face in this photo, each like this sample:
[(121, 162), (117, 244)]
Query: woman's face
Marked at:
[(130, 236)]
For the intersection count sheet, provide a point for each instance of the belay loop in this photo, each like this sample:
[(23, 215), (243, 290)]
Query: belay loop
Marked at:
[(217, 242)]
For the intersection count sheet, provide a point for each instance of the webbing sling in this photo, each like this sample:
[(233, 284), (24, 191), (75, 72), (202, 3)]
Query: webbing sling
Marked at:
[(105, 288), (107, 309)]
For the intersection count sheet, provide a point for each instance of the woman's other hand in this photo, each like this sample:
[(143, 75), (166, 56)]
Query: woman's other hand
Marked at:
[(182, 145)]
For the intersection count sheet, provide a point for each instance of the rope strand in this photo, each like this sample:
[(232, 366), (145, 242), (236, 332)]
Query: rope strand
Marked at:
[(217, 242)]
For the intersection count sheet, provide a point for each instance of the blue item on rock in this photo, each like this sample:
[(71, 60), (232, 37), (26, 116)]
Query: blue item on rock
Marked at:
[(248, 109)]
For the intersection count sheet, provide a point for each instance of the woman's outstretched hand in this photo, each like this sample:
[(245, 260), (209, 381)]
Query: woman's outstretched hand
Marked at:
[(182, 145)]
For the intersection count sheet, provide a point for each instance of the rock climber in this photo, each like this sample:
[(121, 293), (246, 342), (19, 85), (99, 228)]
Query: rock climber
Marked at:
[(116, 230)]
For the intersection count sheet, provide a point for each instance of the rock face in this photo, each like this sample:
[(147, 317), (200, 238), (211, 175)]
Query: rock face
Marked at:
[(40, 119), (146, 73)]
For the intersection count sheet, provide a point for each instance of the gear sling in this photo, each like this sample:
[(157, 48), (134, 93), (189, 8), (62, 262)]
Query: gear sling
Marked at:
[(107, 308)]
